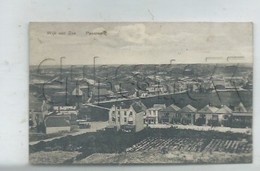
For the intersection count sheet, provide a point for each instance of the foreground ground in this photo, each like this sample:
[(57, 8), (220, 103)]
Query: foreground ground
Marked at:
[(173, 157), (53, 157), (151, 145)]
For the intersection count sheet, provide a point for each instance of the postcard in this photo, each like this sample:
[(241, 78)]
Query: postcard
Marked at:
[(131, 93)]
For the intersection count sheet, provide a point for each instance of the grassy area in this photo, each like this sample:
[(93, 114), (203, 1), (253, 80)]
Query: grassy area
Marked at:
[(173, 157), (42, 136), (53, 157)]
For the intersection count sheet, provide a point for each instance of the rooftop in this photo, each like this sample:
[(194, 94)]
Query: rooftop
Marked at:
[(188, 109), (171, 108), (138, 107), (224, 110), (208, 109)]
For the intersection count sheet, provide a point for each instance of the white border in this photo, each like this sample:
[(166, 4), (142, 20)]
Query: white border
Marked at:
[(16, 14)]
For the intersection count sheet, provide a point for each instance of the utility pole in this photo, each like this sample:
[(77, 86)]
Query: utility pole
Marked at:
[(94, 68), (66, 91), (61, 58)]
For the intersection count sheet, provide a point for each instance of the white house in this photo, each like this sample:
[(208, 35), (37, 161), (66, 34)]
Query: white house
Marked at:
[(127, 118)]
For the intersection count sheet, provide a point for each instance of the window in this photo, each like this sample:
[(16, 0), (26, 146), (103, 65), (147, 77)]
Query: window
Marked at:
[(118, 112), (215, 117), (113, 119), (130, 122), (131, 113), (125, 113), (124, 119), (118, 119)]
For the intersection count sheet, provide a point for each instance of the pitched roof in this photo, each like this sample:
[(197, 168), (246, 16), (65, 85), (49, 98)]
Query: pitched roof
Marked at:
[(77, 92), (171, 108), (188, 109), (208, 109), (159, 106), (138, 107), (57, 121), (240, 108), (224, 109)]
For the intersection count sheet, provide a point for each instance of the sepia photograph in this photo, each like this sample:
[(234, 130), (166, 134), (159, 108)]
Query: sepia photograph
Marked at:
[(140, 93)]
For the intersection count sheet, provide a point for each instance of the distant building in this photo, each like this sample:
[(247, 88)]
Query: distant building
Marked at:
[(77, 92), (186, 115), (127, 118), (166, 115), (100, 94), (152, 114), (77, 95), (55, 124), (156, 89), (219, 84), (65, 110)]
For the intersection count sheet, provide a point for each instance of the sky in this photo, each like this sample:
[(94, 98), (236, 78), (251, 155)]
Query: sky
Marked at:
[(140, 43)]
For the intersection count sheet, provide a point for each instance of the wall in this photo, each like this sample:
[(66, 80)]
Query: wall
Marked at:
[(139, 121), (50, 130)]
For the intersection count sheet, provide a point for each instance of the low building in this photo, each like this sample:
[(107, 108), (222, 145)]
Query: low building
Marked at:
[(242, 117), (186, 115), (223, 115), (204, 115), (55, 124), (127, 117), (166, 115), (152, 114)]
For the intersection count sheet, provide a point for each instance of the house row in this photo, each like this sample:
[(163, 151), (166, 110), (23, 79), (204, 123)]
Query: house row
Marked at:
[(136, 115), (208, 115)]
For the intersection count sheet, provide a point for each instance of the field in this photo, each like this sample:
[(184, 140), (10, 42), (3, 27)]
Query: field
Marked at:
[(151, 145), (177, 151), (191, 145)]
